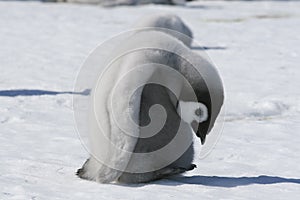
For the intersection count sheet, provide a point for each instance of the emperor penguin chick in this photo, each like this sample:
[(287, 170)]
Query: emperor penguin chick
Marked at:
[(187, 105)]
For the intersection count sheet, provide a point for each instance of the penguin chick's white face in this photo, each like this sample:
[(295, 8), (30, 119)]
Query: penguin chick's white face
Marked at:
[(192, 111)]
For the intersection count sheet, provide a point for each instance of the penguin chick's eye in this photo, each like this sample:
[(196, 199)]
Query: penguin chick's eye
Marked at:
[(198, 112), (192, 111)]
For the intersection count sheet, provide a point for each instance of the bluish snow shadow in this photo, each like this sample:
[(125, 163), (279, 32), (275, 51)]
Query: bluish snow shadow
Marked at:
[(217, 181), (228, 182), (26, 92), (204, 48)]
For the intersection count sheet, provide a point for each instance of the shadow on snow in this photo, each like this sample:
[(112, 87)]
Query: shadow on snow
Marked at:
[(25, 92), (227, 182), (219, 181), (204, 48)]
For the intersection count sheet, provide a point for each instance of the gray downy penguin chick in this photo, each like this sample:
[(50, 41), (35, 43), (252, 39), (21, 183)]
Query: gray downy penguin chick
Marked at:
[(167, 21), (185, 114)]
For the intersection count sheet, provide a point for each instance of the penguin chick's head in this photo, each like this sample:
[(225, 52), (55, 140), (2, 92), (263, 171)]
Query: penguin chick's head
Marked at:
[(192, 113)]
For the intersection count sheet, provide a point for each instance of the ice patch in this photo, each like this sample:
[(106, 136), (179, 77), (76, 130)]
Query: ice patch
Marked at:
[(257, 110), (267, 108)]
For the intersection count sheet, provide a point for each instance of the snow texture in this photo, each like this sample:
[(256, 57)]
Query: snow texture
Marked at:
[(126, 2), (256, 48)]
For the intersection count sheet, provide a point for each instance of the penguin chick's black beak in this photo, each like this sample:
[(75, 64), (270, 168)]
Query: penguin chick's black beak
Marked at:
[(196, 129)]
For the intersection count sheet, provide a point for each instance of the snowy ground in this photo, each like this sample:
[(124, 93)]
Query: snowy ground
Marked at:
[(256, 48)]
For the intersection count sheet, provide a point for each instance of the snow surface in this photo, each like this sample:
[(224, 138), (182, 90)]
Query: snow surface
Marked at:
[(256, 48)]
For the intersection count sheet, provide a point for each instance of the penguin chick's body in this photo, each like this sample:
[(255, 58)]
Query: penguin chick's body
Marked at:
[(146, 162)]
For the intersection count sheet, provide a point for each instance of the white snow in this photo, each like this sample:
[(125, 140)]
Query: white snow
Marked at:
[(125, 2), (255, 46)]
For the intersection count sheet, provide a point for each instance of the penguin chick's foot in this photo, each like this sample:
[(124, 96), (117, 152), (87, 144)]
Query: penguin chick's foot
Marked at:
[(193, 166), (177, 170)]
